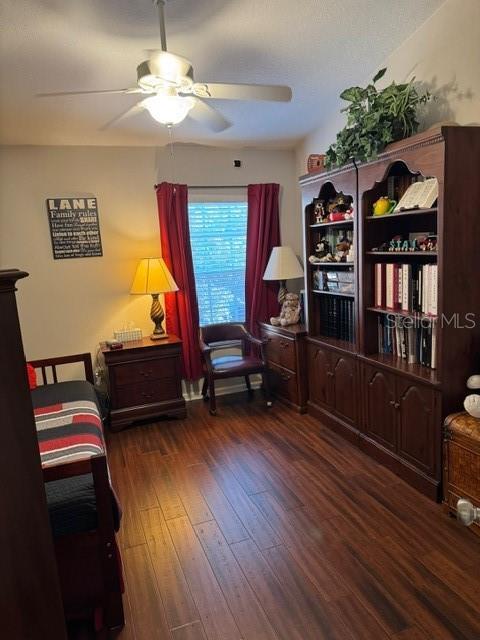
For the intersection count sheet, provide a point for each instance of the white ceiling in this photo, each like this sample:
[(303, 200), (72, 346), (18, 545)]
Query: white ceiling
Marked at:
[(318, 47)]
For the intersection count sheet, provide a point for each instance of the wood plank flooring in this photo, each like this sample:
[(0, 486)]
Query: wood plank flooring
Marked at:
[(264, 525)]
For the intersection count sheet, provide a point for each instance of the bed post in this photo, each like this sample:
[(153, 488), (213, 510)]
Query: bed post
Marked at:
[(31, 593)]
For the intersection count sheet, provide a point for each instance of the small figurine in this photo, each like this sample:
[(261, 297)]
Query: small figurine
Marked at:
[(431, 243), (383, 206), (340, 208), (319, 212), (290, 313), (342, 249)]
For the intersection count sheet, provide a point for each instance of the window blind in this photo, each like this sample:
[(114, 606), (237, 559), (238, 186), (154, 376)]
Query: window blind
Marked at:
[(218, 235)]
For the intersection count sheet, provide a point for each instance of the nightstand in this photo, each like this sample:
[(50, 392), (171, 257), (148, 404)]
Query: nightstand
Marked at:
[(285, 351), (144, 380)]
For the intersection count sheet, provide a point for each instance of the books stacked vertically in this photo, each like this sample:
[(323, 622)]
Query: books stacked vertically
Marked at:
[(337, 318), (406, 338), (407, 287)]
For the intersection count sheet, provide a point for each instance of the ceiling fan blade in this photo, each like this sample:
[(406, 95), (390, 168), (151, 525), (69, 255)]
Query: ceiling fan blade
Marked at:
[(208, 116), (222, 91), (85, 93), (131, 111)]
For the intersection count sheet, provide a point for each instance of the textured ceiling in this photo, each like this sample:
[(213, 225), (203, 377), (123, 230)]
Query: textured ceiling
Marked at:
[(316, 46)]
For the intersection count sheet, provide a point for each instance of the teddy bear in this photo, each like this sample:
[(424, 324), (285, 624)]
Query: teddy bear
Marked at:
[(472, 401), (290, 313)]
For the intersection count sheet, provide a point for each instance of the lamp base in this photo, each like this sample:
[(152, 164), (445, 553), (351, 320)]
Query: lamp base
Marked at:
[(282, 292), (157, 315), (158, 336)]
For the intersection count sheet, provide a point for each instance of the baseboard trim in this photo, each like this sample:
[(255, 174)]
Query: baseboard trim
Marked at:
[(222, 390)]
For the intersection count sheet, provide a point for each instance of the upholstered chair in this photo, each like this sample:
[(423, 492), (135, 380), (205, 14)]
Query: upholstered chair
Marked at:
[(251, 359)]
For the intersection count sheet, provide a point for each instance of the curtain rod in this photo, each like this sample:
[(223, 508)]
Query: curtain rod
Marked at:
[(217, 186)]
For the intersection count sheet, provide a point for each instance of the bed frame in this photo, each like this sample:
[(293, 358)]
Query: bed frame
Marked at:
[(88, 563)]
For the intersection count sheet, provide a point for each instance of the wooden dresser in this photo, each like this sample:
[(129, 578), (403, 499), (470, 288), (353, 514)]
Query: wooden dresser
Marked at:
[(461, 463), (144, 380), (286, 362)]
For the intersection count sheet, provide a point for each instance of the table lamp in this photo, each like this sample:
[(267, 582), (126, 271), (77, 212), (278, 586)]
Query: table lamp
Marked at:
[(152, 276), (283, 265)]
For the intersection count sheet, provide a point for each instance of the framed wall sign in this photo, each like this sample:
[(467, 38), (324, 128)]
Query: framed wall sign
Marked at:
[(74, 227)]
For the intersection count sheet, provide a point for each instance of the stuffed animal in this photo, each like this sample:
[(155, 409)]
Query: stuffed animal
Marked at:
[(290, 313), (472, 401)]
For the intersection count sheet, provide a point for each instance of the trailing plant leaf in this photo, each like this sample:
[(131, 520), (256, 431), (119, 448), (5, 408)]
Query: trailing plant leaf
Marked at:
[(379, 75), (374, 119)]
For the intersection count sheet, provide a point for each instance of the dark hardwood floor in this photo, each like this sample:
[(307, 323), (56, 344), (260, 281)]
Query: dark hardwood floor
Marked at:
[(263, 524)]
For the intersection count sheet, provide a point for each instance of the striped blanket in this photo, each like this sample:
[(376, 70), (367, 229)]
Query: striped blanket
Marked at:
[(68, 432)]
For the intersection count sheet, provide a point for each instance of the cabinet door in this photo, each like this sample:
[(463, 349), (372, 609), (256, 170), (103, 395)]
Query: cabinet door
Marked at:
[(380, 412), (319, 375), (418, 427), (344, 387)]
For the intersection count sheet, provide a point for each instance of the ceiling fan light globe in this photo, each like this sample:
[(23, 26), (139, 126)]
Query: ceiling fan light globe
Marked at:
[(169, 110)]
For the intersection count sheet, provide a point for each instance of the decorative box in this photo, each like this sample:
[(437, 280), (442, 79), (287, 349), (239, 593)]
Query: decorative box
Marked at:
[(461, 471), (315, 162), (128, 335)]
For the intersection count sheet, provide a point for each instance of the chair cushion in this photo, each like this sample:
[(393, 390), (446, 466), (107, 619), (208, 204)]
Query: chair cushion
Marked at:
[(236, 364)]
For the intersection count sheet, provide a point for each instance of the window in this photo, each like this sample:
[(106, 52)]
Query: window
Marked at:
[(218, 235)]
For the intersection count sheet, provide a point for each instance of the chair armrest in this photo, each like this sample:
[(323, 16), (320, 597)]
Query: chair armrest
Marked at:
[(257, 341), (206, 353)]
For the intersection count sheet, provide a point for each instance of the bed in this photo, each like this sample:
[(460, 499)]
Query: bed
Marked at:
[(83, 509)]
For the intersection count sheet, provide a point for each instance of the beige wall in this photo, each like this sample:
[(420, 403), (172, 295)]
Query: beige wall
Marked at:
[(444, 54), (68, 306)]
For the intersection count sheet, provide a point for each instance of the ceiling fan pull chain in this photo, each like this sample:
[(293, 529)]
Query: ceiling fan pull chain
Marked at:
[(161, 17)]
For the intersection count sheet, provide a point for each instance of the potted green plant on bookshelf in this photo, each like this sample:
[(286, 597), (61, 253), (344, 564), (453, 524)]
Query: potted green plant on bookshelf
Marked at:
[(374, 119)]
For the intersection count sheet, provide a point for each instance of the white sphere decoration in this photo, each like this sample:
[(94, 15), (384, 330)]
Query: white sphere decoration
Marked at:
[(472, 404), (474, 382)]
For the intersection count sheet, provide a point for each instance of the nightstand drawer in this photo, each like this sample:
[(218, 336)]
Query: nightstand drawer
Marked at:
[(145, 393), (280, 350), (137, 372), (284, 382)]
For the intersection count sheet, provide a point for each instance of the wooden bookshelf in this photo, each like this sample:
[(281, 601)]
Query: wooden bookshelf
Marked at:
[(393, 409), (332, 265), (400, 312), (338, 223), (402, 254), (409, 213), (333, 293)]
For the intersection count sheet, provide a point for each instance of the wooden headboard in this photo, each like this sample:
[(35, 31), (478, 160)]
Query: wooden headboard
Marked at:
[(53, 363)]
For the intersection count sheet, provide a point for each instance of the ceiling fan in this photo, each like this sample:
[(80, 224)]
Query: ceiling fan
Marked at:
[(167, 79)]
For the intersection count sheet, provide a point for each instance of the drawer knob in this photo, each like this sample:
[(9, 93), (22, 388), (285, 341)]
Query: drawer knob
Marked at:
[(395, 405), (284, 344), (330, 374), (146, 373)]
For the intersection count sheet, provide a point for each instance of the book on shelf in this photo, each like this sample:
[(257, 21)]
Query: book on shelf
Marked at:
[(337, 318), (419, 195), (406, 287), (416, 344)]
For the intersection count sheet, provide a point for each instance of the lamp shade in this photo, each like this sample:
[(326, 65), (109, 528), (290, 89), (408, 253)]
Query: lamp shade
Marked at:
[(153, 276), (283, 265)]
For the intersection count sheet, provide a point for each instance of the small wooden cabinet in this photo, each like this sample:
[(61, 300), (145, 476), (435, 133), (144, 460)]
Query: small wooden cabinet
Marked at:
[(144, 380), (332, 385), (286, 362), (402, 415), (379, 396)]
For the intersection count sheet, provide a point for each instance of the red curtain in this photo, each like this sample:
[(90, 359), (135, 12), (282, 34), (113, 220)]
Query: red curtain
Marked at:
[(263, 233), (181, 307)]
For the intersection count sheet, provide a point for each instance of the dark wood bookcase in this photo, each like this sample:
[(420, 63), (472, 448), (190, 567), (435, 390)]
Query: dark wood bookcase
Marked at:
[(392, 409)]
